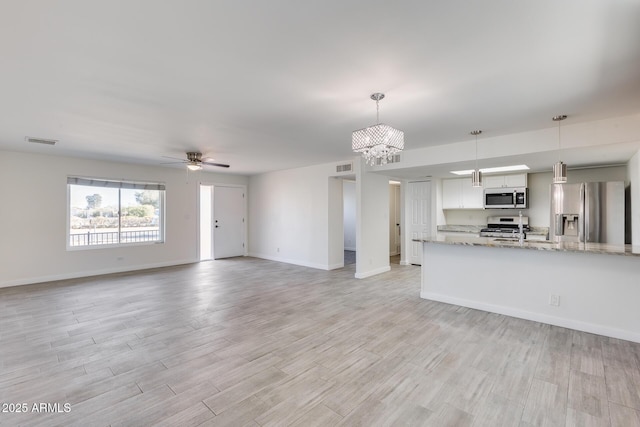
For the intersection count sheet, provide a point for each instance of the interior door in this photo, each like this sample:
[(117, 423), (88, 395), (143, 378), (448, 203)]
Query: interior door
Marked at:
[(420, 205), (228, 222), (394, 221)]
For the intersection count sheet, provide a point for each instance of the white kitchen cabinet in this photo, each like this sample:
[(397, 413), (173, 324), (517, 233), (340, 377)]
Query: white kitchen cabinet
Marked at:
[(498, 181), (471, 196), (451, 194), (459, 194)]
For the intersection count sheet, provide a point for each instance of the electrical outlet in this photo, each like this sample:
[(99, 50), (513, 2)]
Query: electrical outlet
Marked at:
[(554, 300)]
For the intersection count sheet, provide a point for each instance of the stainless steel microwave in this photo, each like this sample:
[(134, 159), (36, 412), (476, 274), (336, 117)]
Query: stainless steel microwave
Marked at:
[(506, 198)]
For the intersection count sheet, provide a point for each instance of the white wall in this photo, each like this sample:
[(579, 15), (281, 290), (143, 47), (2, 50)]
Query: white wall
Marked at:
[(372, 222), (349, 218), (290, 216), (538, 184), (633, 177), (34, 214), (599, 293), (296, 216)]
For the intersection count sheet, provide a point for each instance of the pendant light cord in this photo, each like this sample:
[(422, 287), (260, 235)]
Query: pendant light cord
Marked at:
[(559, 119), (559, 140), (476, 151), (377, 111)]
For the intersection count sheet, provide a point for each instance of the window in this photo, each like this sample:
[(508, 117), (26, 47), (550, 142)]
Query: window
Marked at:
[(109, 212)]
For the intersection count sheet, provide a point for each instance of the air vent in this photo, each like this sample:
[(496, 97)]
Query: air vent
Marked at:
[(345, 167), (394, 159), (41, 140)]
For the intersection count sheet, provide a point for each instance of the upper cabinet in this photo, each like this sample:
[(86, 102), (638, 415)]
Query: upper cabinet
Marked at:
[(498, 181), (459, 194)]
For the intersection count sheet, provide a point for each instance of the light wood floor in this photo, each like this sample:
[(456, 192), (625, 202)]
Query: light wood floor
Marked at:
[(252, 342)]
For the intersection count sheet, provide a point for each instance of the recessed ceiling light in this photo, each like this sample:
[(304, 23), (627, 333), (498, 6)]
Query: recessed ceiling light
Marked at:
[(494, 170)]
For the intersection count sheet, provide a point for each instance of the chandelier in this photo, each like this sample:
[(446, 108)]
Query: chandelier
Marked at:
[(377, 143)]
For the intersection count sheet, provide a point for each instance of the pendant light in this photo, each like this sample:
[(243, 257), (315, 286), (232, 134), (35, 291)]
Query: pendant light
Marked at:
[(559, 169), (476, 175)]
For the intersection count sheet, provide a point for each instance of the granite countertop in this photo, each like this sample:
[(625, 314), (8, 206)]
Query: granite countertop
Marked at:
[(461, 228), (541, 245), (538, 231)]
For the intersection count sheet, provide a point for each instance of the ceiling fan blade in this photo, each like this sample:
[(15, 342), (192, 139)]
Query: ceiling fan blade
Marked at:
[(173, 163), (174, 158), (215, 164)]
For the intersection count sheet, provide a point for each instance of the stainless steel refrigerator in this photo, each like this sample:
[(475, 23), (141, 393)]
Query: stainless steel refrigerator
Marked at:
[(587, 212)]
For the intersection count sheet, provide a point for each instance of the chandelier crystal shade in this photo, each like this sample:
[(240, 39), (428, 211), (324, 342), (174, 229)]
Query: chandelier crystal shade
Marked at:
[(377, 143)]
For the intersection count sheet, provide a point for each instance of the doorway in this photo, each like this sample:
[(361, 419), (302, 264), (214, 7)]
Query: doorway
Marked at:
[(349, 220), (222, 221), (395, 214)]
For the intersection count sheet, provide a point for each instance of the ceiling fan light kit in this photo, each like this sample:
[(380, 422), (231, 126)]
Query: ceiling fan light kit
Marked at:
[(195, 161)]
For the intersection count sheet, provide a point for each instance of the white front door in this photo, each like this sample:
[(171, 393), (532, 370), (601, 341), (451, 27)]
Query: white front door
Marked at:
[(419, 201), (228, 222), (206, 222)]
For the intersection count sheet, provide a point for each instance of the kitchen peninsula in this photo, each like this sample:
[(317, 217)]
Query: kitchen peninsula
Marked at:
[(590, 287)]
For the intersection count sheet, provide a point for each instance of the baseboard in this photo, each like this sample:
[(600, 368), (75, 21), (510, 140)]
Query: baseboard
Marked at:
[(293, 261), (100, 272), (537, 317), (364, 275), (405, 262)]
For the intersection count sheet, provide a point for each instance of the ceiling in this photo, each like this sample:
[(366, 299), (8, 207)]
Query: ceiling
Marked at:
[(273, 85)]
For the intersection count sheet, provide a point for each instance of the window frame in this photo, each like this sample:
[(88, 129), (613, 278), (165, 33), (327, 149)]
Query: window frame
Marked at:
[(120, 184)]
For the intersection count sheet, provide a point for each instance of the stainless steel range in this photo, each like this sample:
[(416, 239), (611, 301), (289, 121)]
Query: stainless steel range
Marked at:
[(505, 226)]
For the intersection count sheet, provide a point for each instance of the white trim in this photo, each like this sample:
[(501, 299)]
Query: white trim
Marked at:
[(76, 275), (294, 261), (335, 266), (364, 275), (536, 317), (405, 262)]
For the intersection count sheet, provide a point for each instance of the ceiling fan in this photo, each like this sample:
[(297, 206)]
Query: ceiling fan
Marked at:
[(195, 161)]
